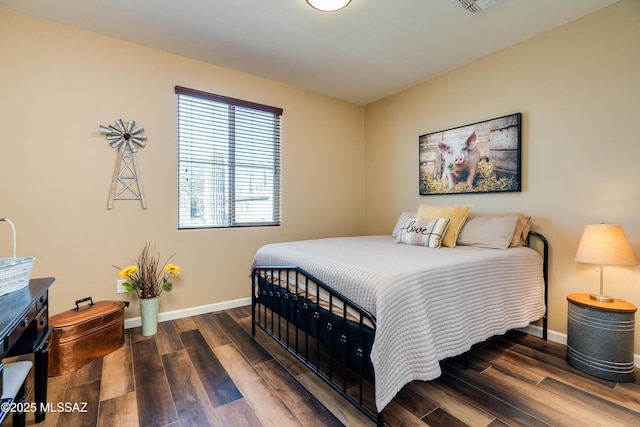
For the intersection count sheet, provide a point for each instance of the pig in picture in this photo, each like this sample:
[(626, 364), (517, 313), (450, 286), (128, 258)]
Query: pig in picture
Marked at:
[(460, 157), (481, 157)]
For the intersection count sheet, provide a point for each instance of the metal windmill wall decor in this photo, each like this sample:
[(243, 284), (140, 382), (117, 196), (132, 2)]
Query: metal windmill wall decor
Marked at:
[(126, 173)]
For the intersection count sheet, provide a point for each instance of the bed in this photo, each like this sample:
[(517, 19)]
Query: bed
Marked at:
[(369, 315)]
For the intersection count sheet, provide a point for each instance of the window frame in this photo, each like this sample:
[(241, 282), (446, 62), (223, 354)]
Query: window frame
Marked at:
[(232, 104)]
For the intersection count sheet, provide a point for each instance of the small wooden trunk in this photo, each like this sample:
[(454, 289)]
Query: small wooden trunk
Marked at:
[(85, 333)]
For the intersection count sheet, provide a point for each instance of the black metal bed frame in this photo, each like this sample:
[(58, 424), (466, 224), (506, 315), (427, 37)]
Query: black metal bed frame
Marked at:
[(336, 347)]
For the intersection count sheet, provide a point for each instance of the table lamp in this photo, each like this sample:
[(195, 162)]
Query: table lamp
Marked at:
[(604, 244)]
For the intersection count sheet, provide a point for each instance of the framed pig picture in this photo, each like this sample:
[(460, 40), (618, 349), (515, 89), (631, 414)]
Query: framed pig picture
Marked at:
[(482, 157)]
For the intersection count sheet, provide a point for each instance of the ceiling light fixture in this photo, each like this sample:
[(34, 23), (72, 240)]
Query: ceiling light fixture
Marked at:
[(328, 5), (475, 6)]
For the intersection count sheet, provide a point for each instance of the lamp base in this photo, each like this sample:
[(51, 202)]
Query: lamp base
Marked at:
[(601, 298)]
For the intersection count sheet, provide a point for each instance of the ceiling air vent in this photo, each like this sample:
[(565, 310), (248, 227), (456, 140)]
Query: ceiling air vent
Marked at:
[(475, 6)]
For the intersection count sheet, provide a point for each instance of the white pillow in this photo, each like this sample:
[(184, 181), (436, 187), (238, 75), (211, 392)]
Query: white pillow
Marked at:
[(404, 215), (488, 232), (423, 231), (522, 227)]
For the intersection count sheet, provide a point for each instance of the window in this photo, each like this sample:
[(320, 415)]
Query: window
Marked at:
[(228, 161)]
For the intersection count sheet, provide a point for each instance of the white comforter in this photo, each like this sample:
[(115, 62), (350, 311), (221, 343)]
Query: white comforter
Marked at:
[(430, 304)]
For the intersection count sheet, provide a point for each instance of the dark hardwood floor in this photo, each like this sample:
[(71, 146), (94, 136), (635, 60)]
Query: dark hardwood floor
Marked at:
[(208, 370)]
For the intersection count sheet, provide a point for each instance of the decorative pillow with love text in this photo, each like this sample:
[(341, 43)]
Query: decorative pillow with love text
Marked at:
[(423, 231)]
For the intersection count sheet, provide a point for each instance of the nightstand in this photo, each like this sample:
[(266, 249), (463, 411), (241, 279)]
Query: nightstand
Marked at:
[(600, 337)]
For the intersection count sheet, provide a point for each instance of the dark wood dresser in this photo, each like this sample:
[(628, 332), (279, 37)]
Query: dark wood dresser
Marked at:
[(24, 328)]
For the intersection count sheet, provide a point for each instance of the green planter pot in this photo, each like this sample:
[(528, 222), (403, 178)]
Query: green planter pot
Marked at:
[(149, 315)]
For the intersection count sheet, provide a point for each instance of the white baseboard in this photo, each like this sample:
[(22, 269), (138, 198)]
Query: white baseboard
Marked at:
[(562, 338), (551, 335), (211, 308), (193, 311)]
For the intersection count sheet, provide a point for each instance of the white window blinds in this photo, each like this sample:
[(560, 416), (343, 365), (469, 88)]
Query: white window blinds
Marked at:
[(228, 161)]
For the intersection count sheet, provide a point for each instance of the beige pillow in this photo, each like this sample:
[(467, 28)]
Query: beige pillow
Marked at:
[(488, 231), (521, 232), (457, 214)]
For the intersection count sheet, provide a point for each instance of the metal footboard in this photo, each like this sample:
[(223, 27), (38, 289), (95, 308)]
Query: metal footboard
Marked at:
[(323, 329)]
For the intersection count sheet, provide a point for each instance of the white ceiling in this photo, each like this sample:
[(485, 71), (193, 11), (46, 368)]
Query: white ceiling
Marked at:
[(370, 49)]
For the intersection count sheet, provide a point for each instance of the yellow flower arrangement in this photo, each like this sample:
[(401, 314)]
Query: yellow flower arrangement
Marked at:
[(145, 277)]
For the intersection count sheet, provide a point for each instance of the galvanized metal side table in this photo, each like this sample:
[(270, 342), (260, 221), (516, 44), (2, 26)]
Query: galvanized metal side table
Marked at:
[(600, 337)]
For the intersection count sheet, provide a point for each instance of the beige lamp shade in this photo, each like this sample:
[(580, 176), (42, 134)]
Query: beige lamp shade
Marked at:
[(605, 244)]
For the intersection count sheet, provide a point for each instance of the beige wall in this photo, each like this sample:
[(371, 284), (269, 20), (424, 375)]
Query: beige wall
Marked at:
[(577, 87), (578, 90), (58, 84)]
